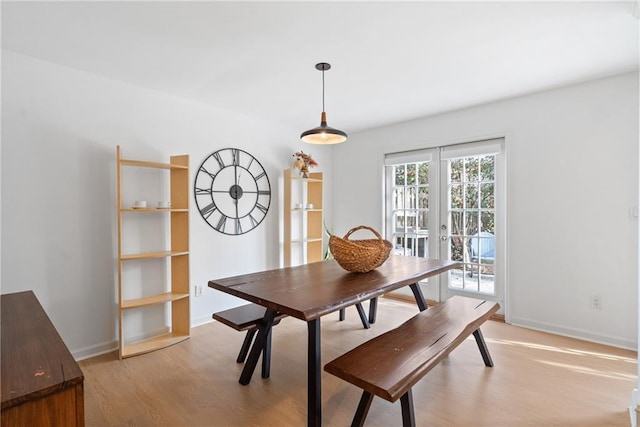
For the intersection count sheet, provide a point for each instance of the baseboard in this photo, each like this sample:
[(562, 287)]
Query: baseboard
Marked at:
[(575, 333), (94, 350), (99, 349), (201, 321)]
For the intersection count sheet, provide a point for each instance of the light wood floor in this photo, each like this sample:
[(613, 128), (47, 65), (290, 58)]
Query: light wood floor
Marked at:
[(538, 380)]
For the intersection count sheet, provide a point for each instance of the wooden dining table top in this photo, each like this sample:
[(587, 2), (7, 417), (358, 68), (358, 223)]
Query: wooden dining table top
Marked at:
[(313, 290)]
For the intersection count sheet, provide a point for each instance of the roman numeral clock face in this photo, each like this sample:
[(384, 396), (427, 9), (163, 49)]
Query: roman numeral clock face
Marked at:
[(232, 191)]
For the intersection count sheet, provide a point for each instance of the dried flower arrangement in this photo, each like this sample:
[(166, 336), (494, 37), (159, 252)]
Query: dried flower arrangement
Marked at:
[(303, 162)]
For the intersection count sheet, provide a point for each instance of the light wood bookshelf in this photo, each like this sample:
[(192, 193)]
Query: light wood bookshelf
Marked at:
[(303, 228), (177, 296)]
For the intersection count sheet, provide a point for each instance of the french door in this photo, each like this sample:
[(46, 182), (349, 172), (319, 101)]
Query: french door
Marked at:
[(448, 202)]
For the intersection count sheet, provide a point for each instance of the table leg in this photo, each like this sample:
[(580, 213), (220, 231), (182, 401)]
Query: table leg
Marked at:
[(258, 346), (363, 317), (314, 384), (266, 355), (373, 310), (417, 293)]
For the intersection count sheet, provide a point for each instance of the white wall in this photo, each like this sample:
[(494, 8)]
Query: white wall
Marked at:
[(60, 127), (572, 158)]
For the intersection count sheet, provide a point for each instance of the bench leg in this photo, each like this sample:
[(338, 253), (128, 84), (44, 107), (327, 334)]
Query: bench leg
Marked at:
[(484, 350), (363, 409), (373, 310), (363, 316), (342, 314), (257, 347), (417, 294), (246, 345), (408, 415)]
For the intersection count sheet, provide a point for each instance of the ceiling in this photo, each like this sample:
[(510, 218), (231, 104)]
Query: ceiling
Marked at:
[(391, 61)]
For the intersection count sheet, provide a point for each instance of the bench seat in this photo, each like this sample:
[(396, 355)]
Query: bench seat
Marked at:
[(390, 364), (244, 317)]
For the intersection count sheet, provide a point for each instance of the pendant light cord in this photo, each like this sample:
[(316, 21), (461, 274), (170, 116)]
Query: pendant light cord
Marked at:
[(323, 89)]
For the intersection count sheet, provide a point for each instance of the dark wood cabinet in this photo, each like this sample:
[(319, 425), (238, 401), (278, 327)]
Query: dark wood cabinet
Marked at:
[(42, 385)]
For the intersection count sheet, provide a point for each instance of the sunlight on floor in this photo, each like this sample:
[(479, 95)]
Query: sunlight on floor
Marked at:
[(583, 355), (564, 350), (589, 371)]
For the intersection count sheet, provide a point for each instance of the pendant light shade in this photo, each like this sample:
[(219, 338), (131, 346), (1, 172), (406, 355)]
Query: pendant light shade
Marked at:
[(323, 134)]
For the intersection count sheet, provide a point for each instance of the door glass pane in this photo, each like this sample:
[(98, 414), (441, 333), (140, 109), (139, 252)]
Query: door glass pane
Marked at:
[(411, 198), (423, 173), (411, 174), (487, 168), (470, 223), (457, 248), (399, 222), (457, 223), (399, 174), (398, 198), (411, 220), (456, 196), (487, 223), (471, 195), (486, 195), (423, 220), (455, 170), (471, 169)]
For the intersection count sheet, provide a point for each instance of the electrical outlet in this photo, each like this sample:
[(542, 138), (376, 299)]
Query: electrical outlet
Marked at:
[(596, 302), (198, 291)]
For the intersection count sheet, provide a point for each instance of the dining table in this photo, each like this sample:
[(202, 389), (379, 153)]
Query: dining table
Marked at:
[(310, 291)]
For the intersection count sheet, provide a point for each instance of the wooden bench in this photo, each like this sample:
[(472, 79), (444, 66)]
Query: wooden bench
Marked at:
[(389, 365), (248, 318)]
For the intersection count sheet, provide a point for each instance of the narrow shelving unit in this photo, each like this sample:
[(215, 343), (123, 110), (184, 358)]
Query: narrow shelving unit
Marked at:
[(303, 227), (176, 297)]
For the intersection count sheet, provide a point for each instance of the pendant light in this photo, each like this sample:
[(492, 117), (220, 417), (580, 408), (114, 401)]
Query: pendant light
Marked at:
[(323, 134)]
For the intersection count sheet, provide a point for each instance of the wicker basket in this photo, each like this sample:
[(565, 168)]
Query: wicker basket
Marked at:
[(360, 256)]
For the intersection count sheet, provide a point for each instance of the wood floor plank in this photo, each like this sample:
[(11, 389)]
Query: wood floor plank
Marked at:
[(538, 380)]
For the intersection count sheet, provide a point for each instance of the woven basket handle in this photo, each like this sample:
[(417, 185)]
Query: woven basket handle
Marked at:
[(360, 227)]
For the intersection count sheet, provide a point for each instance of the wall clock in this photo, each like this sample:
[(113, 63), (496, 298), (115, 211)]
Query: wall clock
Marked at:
[(232, 191)]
